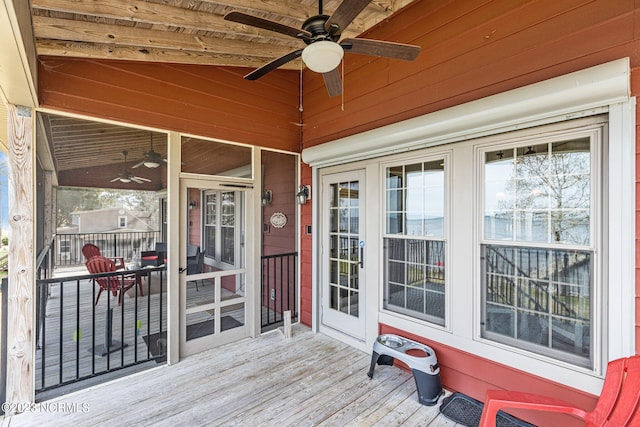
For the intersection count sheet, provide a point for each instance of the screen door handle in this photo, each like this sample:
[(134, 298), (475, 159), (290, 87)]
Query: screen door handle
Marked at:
[(361, 253)]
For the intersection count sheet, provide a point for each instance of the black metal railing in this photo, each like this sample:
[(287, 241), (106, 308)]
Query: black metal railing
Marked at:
[(80, 339), (68, 247), (279, 288), (539, 270)]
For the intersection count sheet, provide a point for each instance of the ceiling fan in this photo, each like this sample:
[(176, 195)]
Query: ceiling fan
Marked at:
[(151, 159), (321, 34), (126, 176)]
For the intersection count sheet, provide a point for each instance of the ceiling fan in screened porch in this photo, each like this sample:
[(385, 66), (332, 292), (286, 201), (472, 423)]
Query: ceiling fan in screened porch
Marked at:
[(151, 159), (324, 51), (126, 176)]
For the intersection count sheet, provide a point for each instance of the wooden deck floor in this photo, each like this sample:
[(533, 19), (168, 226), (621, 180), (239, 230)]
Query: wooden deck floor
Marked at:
[(308, 380)]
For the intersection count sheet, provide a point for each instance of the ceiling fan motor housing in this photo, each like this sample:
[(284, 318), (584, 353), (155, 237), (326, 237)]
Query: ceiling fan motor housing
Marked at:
[(315, 25)]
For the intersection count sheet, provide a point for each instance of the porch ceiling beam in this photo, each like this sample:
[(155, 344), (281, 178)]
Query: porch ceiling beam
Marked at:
[(118, 35), (161, 14), (133, 53)]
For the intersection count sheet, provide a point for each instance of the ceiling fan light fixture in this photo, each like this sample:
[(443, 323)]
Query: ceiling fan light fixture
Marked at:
[(322, 56), (151, 164), (125, 180)]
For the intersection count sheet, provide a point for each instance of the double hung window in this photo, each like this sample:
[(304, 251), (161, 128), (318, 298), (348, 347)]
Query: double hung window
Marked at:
[(414, 246), (538, 244)]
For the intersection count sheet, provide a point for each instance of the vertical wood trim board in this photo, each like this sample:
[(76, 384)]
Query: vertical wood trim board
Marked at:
[(21, 310)]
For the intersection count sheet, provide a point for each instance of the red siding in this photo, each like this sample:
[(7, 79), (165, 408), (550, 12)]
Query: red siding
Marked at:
[(470, 51), (306, 255), (194, 217), (208, 101), (279, 176)]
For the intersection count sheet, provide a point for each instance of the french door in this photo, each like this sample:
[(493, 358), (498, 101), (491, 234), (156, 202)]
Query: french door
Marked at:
[(343, 253), (214, 294)]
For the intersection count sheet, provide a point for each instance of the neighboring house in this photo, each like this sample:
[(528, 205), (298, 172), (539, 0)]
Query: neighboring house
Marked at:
[(111, 220), (102, 227), (481, 199)]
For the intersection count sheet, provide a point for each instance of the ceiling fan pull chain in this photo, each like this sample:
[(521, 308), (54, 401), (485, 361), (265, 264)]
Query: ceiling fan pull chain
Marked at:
[(342, 84), (300, 108)]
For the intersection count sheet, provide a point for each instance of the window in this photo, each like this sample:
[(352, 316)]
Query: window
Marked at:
[(538, 245), (65, 249), (122, 222), (220, 226), (210, 224), (414, 247)]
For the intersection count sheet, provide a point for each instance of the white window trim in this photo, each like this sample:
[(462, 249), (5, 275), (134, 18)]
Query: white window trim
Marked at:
[(120, 222), (601, 89), (593, 129)]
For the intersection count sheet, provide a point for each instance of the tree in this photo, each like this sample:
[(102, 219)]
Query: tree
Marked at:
[(83, 199), (555, 185)]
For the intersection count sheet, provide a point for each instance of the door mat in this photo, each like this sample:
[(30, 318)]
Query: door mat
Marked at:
[(467, 411), (157, 343)]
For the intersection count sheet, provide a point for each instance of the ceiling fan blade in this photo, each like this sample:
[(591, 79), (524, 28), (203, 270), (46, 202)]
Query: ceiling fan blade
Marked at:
[(393, 50), (266, 24), (139, 179), (115, 179), (259, 72), (333, 82), (137, 165), (344, 15)]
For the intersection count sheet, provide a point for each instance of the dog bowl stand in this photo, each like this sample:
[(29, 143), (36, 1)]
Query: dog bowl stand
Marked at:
[(426, 371)]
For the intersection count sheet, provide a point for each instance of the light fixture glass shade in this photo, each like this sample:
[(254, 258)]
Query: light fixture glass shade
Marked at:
[(322, 56), (151, 164), (303, 195), (125, 180)]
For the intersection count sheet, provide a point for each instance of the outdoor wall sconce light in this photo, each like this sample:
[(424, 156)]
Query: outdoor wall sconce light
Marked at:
[(267, 197), (193, 204), (304, 194)]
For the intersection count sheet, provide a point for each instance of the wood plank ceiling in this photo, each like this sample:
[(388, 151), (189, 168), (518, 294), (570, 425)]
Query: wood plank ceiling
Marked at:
[(181, 31), (172, 31)]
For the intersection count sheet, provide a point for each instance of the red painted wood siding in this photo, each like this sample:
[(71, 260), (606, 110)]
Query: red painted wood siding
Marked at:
[(279, 176), (470, 50), (306, 253), (209, 101)]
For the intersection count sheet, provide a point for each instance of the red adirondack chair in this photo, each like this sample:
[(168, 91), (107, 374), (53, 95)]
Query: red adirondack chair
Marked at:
[(89, 250), (618, 404), (118, 283)]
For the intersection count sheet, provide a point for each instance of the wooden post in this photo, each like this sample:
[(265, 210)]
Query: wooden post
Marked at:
[(47, 188), (287, 324), (21, 309)]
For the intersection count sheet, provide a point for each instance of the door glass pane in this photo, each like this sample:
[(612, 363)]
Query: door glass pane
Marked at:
[(211, 223), (344, 253), (200, 324)]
